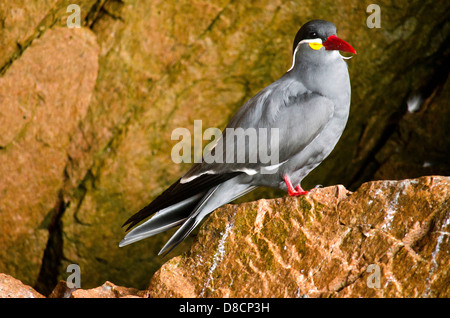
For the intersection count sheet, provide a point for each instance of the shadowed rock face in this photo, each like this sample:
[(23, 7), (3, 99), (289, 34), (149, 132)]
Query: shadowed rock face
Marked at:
[(330, 243), (87, 114)]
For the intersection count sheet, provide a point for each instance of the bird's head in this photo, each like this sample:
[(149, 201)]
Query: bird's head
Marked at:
[(317, 39)]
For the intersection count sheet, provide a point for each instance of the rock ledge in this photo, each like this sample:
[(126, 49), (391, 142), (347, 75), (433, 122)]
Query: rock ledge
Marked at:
[(330, 243), (387, 239)]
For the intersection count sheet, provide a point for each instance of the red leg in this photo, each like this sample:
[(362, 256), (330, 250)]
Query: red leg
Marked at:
[(291, 191)]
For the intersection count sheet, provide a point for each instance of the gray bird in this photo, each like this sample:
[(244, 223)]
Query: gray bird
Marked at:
[(307, 109)]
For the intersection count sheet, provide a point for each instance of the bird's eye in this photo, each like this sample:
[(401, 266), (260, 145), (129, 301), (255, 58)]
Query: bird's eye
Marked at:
[(313, 35)]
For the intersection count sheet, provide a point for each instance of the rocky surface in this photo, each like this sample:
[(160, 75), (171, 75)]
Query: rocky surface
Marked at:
[(14, 288), (107, 290), (329, 243), (86, 114), (387, 239), (44, 98)]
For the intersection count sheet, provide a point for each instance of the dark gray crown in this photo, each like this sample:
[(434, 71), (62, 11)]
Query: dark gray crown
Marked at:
[(314, 29)]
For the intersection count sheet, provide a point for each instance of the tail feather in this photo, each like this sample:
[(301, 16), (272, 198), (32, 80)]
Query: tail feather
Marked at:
[(176, 193), (211, 201), (186, 204), (188, 226), (163, 220), (179, 237)]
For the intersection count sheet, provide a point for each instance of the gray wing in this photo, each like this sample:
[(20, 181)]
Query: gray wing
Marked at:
[(290, 117)]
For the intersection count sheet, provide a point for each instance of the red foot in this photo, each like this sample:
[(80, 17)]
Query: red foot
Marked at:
[(294, 192)]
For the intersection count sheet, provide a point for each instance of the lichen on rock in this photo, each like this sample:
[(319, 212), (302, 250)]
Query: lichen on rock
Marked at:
[(321, 245)]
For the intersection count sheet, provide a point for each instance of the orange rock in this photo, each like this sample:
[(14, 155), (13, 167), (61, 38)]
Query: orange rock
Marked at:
[(45, 94), (329, 243), (107, 290), (14, 288)]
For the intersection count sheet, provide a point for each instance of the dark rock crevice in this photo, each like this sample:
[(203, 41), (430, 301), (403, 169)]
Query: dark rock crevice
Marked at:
[(53, 253), (395, 128)]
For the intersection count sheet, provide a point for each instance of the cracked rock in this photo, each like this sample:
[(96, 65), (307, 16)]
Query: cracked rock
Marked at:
[(44, 94), (329, 243)]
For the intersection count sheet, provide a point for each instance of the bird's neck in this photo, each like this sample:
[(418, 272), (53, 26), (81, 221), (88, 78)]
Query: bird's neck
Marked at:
[(328, 78)]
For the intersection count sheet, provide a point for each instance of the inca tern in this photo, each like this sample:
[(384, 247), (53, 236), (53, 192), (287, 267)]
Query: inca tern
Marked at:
[(309, 106)]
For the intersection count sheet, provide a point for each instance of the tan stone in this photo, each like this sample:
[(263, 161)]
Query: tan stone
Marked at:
[(14, 288), (44, 96), (108, 290), (321, 245)]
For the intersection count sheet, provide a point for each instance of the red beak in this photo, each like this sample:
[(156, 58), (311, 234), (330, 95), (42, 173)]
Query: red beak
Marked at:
[(335, 43)]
